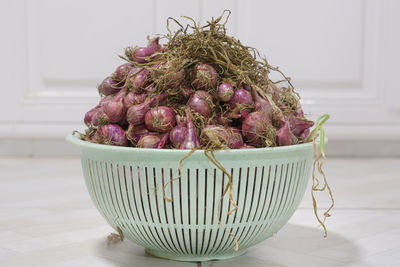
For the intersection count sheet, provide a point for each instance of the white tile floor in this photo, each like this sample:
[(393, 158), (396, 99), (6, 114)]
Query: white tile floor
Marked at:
[(47, 219)]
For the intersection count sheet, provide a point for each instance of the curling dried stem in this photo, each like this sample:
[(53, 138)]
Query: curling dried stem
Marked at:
[(318, 162), (229, 187), (180, 174)]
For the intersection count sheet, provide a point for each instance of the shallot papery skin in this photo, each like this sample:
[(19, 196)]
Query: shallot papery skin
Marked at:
[(163, 141), (225, 92), (201, 102), (223, 137), (89, 115), (241, 97), (284, 136), (299, 125), (178, 134), (191, 140), (108, 86), (138, 79), (141, 54), (111, 134), (204, 77), (149, 141), (160, 119), (122, 71), (236, 139), (134, 133), (217, 135), (136, 113), (99, 117), (261, 104), (114, 110), (240, 104), (133, 71), (133, 98), (255, 127)]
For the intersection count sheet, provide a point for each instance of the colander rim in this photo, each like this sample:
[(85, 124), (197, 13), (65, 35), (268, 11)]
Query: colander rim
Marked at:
[(75, 140)]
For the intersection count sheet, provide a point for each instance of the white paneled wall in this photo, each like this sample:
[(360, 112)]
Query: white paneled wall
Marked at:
[(342, 56)]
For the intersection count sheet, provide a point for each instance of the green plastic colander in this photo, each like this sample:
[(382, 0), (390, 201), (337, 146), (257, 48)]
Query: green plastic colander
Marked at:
[(126, 185)]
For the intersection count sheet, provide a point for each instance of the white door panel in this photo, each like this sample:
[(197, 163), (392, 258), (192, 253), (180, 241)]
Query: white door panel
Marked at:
[(342, 56)]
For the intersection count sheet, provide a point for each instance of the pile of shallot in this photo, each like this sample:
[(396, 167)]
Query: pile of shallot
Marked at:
[(200, 90)]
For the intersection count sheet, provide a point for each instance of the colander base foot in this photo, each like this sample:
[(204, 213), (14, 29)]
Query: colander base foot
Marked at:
[(182, 257)]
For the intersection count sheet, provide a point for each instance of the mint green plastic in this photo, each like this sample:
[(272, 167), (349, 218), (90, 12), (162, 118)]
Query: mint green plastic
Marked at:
[(126, 184)]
